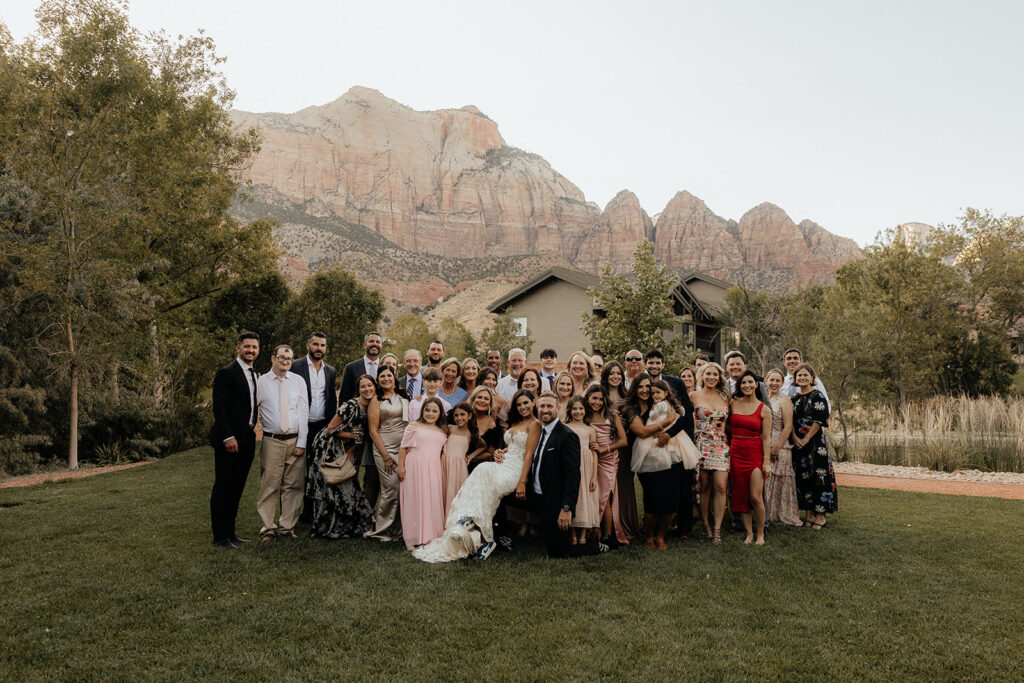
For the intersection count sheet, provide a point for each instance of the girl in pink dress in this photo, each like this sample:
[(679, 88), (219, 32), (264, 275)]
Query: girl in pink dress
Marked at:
[(588, 504), (463, 444), (421, 497), (610, 438)]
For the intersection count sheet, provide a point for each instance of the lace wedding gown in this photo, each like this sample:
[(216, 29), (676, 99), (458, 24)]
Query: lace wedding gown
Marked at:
[(469, 520)]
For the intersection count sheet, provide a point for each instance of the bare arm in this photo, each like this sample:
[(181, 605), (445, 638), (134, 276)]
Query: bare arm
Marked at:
[(638, 427), (766, 441), (801, 442), (787, 425), (620, 434), (373, 424), (532, 437), (402, 452)]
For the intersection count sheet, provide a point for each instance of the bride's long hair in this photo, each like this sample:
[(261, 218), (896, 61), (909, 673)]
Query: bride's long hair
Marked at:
[(514, 417)]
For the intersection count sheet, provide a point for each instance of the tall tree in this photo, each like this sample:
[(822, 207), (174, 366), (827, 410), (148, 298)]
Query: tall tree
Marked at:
[(117, 162), (458, 340), (637, 310), (408, 331), (759, 319), (334, 302)]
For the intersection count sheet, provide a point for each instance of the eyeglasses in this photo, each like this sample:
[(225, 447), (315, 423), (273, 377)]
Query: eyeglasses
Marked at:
[(284, 359), (634, 359)]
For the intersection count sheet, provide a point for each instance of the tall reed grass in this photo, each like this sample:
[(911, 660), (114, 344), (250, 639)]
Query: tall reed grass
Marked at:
[(945, 433)]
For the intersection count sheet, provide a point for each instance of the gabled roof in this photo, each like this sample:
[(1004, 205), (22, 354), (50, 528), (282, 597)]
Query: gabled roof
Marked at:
[(575, 277), (688, 275)]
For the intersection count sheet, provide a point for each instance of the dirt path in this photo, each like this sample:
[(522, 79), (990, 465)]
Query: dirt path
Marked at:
[(960, 488), (43, 477)]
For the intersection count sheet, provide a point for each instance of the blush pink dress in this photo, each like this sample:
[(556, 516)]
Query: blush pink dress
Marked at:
[(453, 467), (588, 504), (421, 498)]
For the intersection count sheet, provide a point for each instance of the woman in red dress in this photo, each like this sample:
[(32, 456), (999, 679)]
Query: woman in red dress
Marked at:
[(750, 431)]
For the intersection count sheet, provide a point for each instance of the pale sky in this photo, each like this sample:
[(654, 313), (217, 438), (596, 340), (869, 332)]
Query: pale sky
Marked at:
[(857, 115)]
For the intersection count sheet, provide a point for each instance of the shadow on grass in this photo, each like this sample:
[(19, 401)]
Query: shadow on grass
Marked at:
[(114, 576)]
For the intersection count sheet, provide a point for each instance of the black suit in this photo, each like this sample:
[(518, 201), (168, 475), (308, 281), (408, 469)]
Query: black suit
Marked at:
[(684, 516), (301, 368), (353, 371), (232, 413), (559, 474)]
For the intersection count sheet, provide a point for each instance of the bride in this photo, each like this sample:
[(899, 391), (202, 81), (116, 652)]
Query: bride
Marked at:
[(468, 526)]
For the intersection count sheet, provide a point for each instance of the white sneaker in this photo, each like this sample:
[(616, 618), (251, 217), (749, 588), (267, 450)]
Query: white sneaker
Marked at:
[(484, 551)]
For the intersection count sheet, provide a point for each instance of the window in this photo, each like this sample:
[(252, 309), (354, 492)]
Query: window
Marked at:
[(520, 326)]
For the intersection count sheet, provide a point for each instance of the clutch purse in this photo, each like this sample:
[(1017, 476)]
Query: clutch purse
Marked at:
[(339, 471)]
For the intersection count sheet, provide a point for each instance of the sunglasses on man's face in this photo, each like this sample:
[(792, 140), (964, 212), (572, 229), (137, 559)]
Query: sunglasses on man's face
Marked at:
[(635, 359)]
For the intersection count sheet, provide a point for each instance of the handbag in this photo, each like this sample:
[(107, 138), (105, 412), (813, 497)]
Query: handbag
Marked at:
[(338, 471)]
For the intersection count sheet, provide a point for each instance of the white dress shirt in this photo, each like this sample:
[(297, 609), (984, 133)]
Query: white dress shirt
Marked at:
[(507, 387), (371, 366), (790, 389), (268, 388), (317, 390), (542, 443)]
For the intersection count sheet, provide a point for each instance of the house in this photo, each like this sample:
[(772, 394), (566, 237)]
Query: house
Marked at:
[(551, 305)]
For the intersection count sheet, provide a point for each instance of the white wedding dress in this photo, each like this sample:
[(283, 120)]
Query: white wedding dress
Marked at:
[(469, 520)]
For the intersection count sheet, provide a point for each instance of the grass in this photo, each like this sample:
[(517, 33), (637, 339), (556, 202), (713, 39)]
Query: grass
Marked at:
[(114, 577)]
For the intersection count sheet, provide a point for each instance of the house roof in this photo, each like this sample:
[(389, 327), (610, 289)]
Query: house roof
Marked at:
[(576, 277), (689, 275)]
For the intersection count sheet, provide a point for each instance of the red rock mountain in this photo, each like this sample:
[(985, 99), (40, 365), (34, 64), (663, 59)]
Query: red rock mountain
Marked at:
[(445, 183)]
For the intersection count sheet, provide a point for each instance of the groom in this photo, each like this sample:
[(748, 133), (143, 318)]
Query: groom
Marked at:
[(554, 481)]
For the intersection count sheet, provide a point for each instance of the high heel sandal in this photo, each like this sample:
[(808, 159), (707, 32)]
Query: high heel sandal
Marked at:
[(717, 537), (707, 530)]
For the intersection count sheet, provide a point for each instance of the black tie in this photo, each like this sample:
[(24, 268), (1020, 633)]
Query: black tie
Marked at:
[(252, 418)]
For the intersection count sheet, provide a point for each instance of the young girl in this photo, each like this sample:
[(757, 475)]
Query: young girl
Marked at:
[(431, 386), (588, 504), (463, 442), (421, 497), (648, 456)]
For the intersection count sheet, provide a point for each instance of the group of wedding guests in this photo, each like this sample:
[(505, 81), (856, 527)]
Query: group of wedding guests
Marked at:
[(455, 452)]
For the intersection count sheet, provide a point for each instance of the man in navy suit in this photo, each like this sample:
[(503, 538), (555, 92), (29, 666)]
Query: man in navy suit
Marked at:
[(233, 438), (553, 484), (323, 399)]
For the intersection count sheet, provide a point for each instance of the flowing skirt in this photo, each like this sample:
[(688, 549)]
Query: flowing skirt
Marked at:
[(780, 491)]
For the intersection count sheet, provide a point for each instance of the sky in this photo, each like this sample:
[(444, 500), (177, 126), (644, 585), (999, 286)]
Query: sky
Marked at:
[(856, 115)]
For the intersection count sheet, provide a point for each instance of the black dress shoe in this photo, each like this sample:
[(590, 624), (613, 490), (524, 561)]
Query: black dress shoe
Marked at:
[(238, 540), (225, 543)]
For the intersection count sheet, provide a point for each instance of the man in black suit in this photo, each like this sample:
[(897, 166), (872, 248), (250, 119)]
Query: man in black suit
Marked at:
[(553, 485), (655, 361), (323, 400), (233, 438), (367, 365)]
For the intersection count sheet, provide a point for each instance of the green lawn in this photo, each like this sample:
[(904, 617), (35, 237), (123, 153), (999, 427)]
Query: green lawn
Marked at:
[(114, 577)]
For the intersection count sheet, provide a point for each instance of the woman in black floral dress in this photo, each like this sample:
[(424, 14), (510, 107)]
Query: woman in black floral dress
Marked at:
[(341, 511), (815, 477)]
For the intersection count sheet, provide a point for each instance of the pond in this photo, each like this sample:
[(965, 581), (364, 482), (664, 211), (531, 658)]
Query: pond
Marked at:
[(986, 452)]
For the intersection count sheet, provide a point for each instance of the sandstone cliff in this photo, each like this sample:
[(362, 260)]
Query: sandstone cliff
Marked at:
[(381, 187)]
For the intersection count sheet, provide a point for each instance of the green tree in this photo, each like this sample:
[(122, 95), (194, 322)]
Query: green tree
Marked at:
[(759, 319), (254, 304), (408, 331), (503, 334), (458, 340), (335, 303), (637, 310), (117, 161)]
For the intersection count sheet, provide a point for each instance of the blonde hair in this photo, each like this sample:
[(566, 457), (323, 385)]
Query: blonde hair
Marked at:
[(554, 384), (586, 359), (472, 398), (721, 386)]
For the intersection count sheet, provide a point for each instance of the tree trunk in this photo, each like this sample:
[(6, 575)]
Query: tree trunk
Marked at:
[(154, 362), (73, 421)]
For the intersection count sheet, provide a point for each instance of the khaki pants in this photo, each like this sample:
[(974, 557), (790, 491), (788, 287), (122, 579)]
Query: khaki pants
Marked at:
[(282, 475)]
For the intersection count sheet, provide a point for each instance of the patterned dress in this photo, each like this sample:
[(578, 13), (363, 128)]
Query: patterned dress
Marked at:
[(711, 441), (815, 477), (780, 489), (339, 511)]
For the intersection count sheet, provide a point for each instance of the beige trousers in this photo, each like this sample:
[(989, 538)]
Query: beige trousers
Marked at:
[(282, 476), (388, 526)]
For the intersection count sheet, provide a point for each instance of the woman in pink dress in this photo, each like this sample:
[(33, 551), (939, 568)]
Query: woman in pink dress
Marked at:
[(421, 497), (610, 438)]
